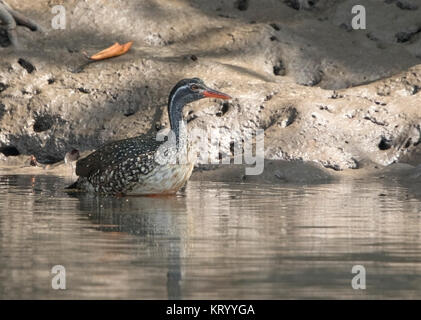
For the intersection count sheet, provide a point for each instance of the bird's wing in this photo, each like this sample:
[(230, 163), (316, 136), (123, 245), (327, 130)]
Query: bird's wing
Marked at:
[(113, 153)]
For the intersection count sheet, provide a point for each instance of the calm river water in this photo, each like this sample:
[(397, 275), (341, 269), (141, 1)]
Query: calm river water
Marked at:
[(212, 241)]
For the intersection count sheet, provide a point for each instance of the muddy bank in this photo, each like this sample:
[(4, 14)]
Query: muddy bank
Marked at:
[(281, 171), (322, 91), (275, 172)]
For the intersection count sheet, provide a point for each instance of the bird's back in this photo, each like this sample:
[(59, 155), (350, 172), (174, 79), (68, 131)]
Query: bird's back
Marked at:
[(112, 154)]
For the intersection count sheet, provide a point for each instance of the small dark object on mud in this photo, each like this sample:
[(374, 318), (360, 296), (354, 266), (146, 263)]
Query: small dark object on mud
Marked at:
[(83, 90), (33, 161), (26, 65), (279, 69)]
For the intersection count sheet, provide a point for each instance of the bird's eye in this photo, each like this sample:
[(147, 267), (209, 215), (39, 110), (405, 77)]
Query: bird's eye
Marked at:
[(194, 87)]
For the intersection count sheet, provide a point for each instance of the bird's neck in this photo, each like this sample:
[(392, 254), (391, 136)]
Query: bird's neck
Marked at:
[(175, 113)]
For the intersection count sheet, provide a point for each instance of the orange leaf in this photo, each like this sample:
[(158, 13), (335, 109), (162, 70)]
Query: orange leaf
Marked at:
[(115, 45), (114, 51)]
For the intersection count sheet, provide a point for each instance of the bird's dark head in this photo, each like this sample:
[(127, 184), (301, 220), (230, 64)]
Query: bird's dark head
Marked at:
[(189, 90)]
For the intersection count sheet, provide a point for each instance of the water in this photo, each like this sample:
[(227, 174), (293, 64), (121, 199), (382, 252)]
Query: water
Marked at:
[(213, 241)]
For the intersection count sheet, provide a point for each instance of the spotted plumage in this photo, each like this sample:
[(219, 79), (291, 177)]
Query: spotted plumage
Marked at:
[(145, 164), (115, 167)]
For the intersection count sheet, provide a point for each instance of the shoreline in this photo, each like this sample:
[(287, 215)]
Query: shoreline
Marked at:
[(275, 172)]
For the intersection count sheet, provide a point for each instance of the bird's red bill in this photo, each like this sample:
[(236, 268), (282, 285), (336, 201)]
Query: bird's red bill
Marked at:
[(216, 94)]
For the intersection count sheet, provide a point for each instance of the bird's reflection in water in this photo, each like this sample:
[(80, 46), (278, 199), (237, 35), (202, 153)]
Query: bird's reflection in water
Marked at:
[(155, 221)]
